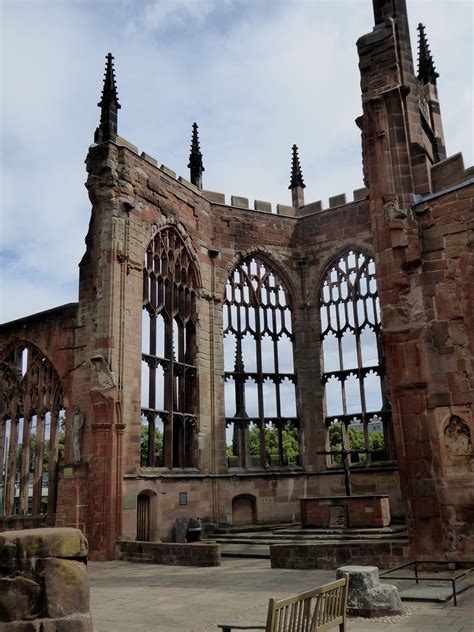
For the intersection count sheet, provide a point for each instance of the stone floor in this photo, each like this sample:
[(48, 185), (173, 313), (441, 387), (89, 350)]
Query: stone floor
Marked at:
[(128, 597)]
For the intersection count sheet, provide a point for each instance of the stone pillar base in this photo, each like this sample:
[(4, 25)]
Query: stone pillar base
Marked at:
[(367, 597)]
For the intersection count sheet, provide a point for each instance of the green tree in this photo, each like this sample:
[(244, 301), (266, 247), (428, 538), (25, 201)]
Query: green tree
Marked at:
[(144, 446), (289, 441)]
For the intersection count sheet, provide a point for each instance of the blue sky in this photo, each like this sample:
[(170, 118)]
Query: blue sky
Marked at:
[(257, 77)]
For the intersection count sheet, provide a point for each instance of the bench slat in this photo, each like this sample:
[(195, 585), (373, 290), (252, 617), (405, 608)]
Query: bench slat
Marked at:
[(316, 610)]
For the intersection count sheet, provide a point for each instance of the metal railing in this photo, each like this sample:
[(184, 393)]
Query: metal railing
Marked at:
[(453, 578)]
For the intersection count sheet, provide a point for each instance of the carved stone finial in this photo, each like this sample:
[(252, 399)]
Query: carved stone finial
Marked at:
[(195, 159), (296, 174), (426, 68), (109, 105), (297, 185)]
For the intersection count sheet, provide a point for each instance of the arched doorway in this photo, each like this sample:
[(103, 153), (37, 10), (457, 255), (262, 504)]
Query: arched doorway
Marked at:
[(244, 510), (145, 517)]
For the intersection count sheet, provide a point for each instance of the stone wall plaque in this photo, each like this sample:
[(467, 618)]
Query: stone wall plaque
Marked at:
[(129, 501), (338, 516)]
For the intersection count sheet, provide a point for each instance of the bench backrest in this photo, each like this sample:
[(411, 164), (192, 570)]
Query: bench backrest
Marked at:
[(314, 611)]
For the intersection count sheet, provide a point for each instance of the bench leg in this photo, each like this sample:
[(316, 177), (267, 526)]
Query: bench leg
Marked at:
[(342, 627)]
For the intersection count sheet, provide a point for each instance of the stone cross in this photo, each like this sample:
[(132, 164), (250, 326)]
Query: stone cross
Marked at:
[(345, 464)]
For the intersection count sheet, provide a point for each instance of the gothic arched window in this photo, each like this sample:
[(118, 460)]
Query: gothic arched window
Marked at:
[(31, 431), (168, 382), (357, 406), (260, 403)]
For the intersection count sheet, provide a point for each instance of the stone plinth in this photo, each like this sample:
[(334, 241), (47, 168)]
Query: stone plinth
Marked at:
[(330, 556), (345, 511), (171, 553), (43, 581), (367, 597)]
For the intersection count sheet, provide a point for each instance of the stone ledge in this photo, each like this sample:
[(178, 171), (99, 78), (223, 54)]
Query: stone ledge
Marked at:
[(170, 553)]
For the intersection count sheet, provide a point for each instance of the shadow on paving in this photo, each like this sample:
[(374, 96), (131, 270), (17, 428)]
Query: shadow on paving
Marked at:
[(130, 597)]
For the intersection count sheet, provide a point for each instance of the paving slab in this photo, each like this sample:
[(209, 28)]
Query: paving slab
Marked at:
[(131, 597)]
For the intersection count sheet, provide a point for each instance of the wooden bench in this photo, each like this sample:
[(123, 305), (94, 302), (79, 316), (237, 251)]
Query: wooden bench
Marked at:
[(316, 610)]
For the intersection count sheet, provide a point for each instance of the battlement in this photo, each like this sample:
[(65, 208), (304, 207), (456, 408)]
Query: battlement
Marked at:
[(241, 202)]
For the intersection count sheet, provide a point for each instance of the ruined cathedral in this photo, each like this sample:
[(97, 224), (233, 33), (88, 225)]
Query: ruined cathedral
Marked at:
[(226, 359)]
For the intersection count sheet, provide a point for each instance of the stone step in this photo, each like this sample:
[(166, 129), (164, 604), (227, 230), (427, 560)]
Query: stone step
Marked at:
[(396, 528), (247, 550), (258, 527), (265, 542), (326, 537)]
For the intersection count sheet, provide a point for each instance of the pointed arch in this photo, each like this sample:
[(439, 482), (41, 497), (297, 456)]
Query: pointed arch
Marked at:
[(165, 222), (168, 405), (357, 406), (276, 266), (31, 422), (261, 420)]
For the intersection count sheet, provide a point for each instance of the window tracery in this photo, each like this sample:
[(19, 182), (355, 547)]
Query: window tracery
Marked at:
[(357, 406), (260, 404), (31, 432), (168, 383)]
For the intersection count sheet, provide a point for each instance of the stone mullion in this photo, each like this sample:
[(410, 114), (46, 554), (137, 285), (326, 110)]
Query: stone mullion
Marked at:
[(151, 440), (53, 461), (38, 473), (182, 442), (261, 412), (168, 380), (356, 295), (276, 363), (11, 470), (277, 386), (25, 465), (3, 434), (168, 426)]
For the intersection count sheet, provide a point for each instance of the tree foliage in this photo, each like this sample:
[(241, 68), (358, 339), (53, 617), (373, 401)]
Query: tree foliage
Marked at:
[(356, 442), (144, 446), (289, 442)]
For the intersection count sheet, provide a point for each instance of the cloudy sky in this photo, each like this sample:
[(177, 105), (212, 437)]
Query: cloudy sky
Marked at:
[(257, 76)]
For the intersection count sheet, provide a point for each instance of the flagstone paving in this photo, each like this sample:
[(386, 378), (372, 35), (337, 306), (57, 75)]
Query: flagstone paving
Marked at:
[(127, 597)]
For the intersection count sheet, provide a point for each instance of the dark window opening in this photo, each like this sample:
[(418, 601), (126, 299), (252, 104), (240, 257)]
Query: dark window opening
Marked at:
[(260, 401), (357, 407), (168, 376), (31, 433)]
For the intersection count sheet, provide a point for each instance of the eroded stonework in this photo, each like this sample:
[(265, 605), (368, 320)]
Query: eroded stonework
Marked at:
[(414, 220)]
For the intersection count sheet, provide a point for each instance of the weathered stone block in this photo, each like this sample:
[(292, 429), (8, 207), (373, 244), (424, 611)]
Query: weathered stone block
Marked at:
[(213, 196), (18, 598), (63, 543), (24, 626), (308, 209), (367, 597), (360, 194), (122, 142), (240, 202), (337, 200), (259, 205), (284, 209), (149, 159), (66, 587), (78, 623), (168, 171)]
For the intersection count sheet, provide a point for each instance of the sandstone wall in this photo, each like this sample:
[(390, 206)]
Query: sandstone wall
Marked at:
[(43, 581)]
